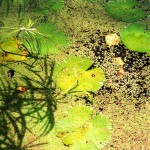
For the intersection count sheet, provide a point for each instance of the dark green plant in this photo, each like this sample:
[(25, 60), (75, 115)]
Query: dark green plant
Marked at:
[(72, 76), (136, 37), (81, 131), (125, 10)]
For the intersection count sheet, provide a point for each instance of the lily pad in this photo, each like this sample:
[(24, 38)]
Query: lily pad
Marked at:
[(79, 64), (79, 131), (125, 10), (136, 38), (72, 76), (90, 80), (75, 116)]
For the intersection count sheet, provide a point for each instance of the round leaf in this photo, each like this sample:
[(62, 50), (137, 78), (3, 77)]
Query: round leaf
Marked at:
[(87, 133)]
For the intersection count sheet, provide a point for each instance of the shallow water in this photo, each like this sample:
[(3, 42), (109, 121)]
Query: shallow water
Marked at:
[(30, 102)]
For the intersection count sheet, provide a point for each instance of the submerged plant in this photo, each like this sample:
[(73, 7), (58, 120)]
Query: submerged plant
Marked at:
[(125, 10), (136, 37), (79, 130), (72, 76)]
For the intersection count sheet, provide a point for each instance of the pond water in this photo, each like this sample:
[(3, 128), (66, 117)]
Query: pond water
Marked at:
[(54, 56)]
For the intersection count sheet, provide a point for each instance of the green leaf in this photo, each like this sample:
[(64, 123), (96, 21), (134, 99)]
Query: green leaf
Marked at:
[(136, 33), (90, 80), (10, 45), (79, 131), (76, 64), (125, 10), (71, 76), (58, 5), (66, 80), (50, 39), (74, 119), (46, 29), (60, 39)]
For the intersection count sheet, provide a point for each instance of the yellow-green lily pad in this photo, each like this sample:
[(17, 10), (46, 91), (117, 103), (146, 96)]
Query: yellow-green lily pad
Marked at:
[(80, 131), (72, 75)]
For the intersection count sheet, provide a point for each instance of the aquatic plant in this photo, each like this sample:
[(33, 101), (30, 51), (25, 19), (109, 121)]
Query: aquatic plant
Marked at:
[(11, 50), (51, 5), (51, 39), (136, 37), (35, 5), (100, 1), (125, 10), (79, 130), (43, 39), (11, 45), (72, 76)]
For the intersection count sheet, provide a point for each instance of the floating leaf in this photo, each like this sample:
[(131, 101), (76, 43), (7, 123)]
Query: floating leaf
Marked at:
[(72, 76), (79, 131), (50, 5), (77, 63), (125, 10), (136, 33), (74, 119), (90, 80), (10, 45), (66, 80)]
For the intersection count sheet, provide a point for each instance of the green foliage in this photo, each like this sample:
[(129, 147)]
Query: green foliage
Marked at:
[(125, 10), (79, 130), (43, 39), (36, 5), (51, 39), (136, 37), (55, 5), (72, 75), (99, 1)]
